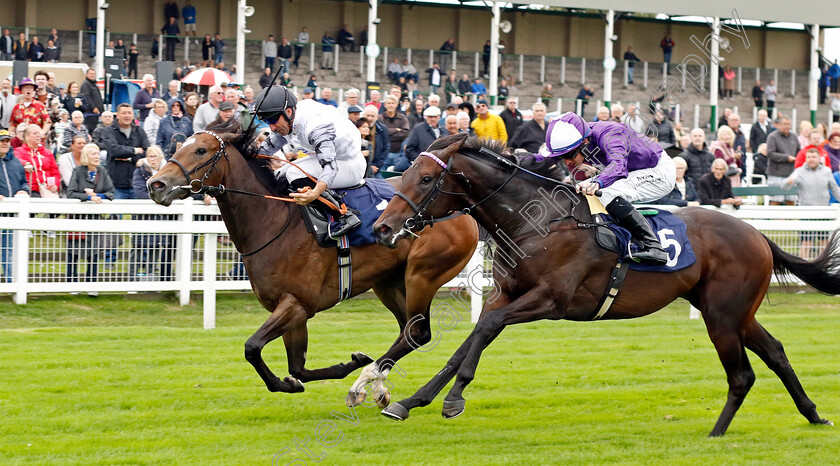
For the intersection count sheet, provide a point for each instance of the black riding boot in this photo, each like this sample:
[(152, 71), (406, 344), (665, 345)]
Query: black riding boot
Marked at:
[(346, 222), (627, 216)]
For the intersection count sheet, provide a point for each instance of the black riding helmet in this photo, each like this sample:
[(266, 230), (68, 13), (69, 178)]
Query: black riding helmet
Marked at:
[(273, 102)]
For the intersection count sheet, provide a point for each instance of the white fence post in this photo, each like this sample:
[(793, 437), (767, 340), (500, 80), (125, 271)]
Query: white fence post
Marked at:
[(384, 61), (521, 66), (209, 281), (542, 68), (81, 41), (336, 51), (454, 60), (312, 57), (644, 75), (793, 83), (625, 82), (582, 71), (696, 115), (20, 256), (361, 62), (183, 253), (739, 80), (476, 65), (562, 70), (431, 57)]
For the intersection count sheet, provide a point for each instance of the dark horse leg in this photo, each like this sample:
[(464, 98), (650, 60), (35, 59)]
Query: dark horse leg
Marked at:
[(392, 294), (297, 341), (771, 351), (534, 305), (429, 267), (289, 317), (727, 312)]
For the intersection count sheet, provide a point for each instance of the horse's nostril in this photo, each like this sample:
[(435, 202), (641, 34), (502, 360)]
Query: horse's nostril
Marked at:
[(384, 231), (157, 186)]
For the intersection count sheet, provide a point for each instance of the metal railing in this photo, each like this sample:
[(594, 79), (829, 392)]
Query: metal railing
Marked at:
[(66, 246)]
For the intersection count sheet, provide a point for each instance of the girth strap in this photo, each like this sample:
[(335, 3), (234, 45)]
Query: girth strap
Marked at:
[(613, 287), (345, 273)]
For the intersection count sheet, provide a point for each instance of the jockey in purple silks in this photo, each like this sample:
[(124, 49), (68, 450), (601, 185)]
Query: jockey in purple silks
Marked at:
[(626, 168)]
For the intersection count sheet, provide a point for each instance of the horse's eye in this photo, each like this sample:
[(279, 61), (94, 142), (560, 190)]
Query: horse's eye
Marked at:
[(201, 151), (426, 179)]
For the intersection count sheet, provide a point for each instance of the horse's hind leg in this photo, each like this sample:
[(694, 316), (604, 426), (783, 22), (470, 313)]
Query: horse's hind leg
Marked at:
[(286, 316), (297, 341), (724, 315), (771, 351)]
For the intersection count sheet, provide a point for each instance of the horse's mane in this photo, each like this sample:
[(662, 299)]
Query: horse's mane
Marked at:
[(233, 132), (473, 145)]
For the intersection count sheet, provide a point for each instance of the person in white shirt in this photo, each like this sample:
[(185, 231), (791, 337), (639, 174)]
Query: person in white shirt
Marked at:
[(333, 142)]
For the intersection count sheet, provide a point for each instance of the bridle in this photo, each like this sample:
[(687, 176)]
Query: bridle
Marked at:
[(197, 186), (418, 222)]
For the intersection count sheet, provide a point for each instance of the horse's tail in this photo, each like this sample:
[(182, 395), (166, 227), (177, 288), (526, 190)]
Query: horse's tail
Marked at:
[(823, 273)]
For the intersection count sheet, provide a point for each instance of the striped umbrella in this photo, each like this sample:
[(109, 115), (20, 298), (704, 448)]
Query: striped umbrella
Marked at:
[(207, 77)]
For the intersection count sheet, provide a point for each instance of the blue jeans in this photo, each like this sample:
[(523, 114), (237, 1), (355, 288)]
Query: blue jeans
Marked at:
[(123, 193), (6, 239), (220, 57), (398, 160), (284, 62), (630, 74), (269, 63)]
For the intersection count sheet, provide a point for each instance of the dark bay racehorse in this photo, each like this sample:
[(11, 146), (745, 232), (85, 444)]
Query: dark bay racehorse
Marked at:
[(294, 278), (560, 272)]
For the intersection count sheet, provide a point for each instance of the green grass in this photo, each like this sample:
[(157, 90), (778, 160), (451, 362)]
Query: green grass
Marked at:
[(129, 381)]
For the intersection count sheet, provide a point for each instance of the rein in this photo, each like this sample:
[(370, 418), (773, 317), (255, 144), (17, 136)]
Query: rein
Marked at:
[(417, 220)]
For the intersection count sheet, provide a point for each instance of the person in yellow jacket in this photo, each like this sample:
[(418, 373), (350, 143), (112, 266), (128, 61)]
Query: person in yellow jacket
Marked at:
[(487, 125)]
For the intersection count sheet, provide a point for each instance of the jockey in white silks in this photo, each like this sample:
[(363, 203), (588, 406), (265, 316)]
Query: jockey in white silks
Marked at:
[(318, 129)]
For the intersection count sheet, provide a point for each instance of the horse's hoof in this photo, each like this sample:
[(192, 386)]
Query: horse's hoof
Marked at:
[(355, 398), (384, 399), (295, 385), (824, 422), (396, 411), (453, 409), (361, 358)]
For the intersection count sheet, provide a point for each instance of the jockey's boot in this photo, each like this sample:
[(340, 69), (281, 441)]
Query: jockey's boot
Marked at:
[(346, 222), (625, 215)]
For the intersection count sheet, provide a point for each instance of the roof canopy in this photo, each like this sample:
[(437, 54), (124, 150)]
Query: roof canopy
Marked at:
[(804, 11)]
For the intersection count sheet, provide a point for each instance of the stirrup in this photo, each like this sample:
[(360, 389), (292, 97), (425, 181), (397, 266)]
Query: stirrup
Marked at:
[(347, 222)]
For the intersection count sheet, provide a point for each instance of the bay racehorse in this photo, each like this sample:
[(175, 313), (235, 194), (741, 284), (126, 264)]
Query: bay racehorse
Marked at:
[(293, 277), (560, 272)]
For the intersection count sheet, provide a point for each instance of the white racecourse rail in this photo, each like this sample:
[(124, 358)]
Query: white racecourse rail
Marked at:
[(140, 246)]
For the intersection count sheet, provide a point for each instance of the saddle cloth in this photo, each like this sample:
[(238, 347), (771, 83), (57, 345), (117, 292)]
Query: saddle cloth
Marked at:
[(670, 230), (366, 200)]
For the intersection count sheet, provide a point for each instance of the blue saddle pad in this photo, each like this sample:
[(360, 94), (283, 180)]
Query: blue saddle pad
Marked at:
[(671, 232), (368, 201)]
